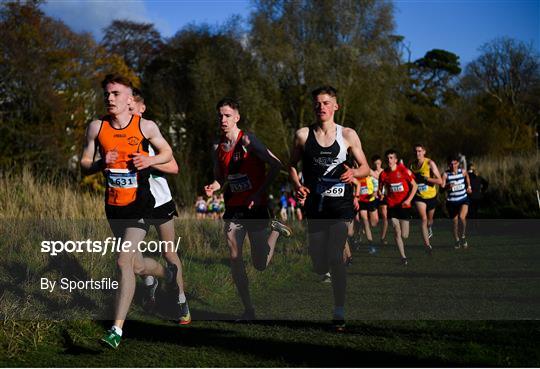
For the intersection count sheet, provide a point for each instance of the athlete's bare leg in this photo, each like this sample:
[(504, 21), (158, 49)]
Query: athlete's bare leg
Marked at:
[(350, 228), (463, 218), (262, 247), (430, 216), (405, 227), (366, 225), (235, 235), (373, 218), (326, 242), (347, 254), (384, 216), (455, 228), (130, 263), (422, 212), (399, 235), (166, 233)]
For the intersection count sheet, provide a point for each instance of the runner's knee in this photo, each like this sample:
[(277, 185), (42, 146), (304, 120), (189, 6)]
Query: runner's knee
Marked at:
[(171, 257), (124, 263)]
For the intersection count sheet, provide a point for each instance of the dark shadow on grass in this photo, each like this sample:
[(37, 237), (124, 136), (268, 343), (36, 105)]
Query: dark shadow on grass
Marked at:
[(412, 274), (292, 353)]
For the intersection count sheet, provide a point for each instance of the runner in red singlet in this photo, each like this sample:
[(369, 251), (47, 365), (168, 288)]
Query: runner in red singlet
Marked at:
[(400, 187), (240, 168)]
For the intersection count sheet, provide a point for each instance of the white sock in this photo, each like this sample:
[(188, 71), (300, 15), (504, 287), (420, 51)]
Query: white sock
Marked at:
[(117, 330), (182, 298), (149, 280)]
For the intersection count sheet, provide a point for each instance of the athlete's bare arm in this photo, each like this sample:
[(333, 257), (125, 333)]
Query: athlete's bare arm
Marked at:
[(414, 187), (383, 188), (218, 176), (468, 181), (363, 170), (150, 130), (170, 167), (299, 142), (443, 180), (88, 164), (254, 145), (437, 180)]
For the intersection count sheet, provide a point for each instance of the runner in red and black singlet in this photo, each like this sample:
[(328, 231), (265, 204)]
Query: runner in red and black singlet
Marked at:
[(240, 168), (399, 186)]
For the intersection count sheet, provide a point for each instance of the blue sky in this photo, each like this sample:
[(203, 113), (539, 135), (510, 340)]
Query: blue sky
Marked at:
[(457, 26)]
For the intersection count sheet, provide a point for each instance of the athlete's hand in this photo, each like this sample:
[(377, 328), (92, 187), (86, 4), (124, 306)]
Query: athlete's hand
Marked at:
[(301, 193), (141, 161), (348, 175), (209, 189), (111, 157), (469, 190), (253, 199), (356, 204), (420, 179), (406, 204)]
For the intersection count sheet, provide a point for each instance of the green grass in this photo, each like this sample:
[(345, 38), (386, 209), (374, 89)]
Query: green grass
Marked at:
[(475, 307)]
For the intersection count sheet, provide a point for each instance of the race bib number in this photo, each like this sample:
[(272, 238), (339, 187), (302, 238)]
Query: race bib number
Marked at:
[(422, 187), (121, 178), (396, 187), (239, 183), (331, 188), (364, 191), (458, 187)]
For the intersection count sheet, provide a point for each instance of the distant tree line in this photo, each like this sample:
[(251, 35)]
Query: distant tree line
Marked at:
[(49, 84)]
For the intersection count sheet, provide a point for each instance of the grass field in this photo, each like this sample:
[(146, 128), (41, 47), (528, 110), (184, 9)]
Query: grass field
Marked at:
[(478, 307)]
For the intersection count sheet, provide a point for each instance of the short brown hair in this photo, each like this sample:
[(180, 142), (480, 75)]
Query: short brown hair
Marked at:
[(116, 78), (324, 90), (137, 95), (228, 101), (391, 152)]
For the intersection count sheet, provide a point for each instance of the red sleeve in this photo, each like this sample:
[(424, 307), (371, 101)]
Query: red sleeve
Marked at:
[(411, 175), (382, 177)]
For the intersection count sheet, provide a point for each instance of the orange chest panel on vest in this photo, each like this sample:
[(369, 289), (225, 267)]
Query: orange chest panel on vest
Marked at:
[(123, 179)]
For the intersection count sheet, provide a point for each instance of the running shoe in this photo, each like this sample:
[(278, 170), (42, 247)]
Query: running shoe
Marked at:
[(429, 232), (247, 316), (457, 245), (149, 301), (464, 243), (372, 250), (185, 315), (404, 261), (348, 262), (338, 324), (429, 250), (327, 278), (281, 228), (111, 339)]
